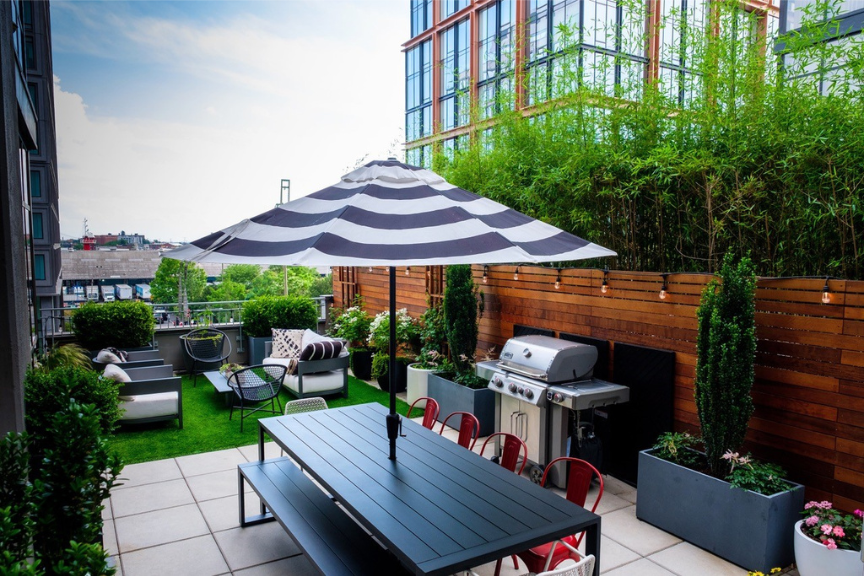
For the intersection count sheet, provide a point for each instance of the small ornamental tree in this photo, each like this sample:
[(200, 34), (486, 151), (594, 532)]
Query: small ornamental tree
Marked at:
[(726, 350), (460, 316)]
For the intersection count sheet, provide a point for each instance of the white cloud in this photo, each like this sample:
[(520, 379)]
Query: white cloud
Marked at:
[(270, 106)]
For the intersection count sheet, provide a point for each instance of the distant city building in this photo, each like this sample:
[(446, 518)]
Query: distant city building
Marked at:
[(122, 238)]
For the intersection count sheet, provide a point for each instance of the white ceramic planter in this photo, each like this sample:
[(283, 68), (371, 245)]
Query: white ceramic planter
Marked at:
[(417, 382), (815, 559)]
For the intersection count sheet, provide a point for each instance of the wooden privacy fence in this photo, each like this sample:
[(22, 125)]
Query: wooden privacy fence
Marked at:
[(809, 390)]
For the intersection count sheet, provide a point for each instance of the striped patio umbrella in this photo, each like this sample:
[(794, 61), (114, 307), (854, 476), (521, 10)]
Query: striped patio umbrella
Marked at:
[(387, 213)]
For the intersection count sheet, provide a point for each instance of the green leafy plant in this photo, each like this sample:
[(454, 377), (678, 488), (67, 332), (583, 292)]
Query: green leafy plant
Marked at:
[(460, 316), (351, 324), (433, 338), (63, 355), (262, 314), (118, 324), (406, 332), (16, 525), (679, 447), (726, 350), (750, 474), (381, 364)]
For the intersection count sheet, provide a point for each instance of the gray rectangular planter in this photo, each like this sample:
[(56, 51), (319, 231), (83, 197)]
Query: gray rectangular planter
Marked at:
[(453, 397), (748, 529), (255, 349)]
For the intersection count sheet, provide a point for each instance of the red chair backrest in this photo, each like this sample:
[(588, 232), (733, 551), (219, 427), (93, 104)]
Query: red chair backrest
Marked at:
[(581, 474), (432, 409), (513, 446), (469, 429)]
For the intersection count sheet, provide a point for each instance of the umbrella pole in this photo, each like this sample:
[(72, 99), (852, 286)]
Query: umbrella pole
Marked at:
[(393, 418)]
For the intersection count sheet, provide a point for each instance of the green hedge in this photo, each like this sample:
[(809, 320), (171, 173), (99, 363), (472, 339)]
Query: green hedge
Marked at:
[(117, 324), (262, 314)]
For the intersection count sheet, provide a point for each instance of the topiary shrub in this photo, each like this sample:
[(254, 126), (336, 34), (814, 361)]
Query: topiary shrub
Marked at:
[(460, 316), (726, 351), (262, 314), (117, 324)]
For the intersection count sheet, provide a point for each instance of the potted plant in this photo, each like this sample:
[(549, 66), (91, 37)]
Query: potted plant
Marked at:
[(352, 325), (456, 386), (828, 541), (124, 325), (703, 498), (433, 339), (262, 314), (379, 339)]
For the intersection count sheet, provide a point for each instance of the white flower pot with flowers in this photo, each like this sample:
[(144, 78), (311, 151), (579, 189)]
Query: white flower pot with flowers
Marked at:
[(828, 541)]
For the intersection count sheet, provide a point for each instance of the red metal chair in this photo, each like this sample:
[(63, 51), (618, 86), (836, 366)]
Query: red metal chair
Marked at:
[(513, 447), (432, 409), (469, 429), (548, 556)]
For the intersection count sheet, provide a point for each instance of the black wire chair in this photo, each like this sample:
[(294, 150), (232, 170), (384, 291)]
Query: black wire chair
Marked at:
[(254, 385), (206, 346)]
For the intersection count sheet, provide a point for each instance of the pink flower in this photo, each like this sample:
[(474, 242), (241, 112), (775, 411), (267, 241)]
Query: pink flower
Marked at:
[(830, 544), (812, 521), (824, 505), (826, 528), (838, 531), (859, 513)]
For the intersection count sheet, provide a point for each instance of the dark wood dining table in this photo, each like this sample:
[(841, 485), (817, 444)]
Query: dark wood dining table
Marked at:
[(439, 508)]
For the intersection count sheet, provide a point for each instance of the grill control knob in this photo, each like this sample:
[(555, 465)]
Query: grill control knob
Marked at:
[(521, 391), (529, 394), (557, 397), (512, 388), (496, 380)]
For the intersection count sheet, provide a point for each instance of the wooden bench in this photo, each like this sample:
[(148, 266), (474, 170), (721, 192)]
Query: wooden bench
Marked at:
[(329, 538)]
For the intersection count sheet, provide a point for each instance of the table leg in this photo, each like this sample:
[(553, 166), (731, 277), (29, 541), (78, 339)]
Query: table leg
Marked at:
[(592, 545), (260, 444)]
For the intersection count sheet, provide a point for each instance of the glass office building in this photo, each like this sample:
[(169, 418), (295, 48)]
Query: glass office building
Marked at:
[(468, 60)]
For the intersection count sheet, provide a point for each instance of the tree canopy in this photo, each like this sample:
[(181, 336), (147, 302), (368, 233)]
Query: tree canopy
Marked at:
[(165, 285)]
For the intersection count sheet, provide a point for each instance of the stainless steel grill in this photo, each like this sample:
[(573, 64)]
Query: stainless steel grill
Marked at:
[(539, 380)]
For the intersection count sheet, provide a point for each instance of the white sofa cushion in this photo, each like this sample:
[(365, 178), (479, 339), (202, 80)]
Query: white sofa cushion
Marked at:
[(314, 383), (290, 363), (150, 406)]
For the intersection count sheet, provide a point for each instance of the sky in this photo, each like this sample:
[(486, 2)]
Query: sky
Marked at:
[(177, 119)]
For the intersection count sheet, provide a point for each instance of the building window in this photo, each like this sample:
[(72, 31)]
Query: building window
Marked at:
[(494, 78), (29, 54), (683, 27), (38, 234), (418, 91), (421, 16), (455, 75), (419, 156), (450, 7), (35, 184), (39, 266)]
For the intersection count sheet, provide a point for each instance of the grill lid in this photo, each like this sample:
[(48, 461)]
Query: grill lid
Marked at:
[(548, 359)]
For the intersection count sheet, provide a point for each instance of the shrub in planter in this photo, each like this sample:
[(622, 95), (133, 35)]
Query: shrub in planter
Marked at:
[(119, 324), (460, 316), (261, 315), (352, 325), (381, 371), (726, 350)]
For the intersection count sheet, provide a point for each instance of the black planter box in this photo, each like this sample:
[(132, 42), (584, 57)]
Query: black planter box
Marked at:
[(751, 530), (361, 364), (453, 397), (401, 372)]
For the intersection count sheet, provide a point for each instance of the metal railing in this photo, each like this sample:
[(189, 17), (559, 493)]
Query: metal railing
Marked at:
[(55, 322)]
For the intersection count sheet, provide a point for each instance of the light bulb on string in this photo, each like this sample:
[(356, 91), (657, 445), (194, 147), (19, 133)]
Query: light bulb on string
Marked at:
[(516, 274), (663, 288), (826, 294), (485, 274), (604, 287), (558, 280)]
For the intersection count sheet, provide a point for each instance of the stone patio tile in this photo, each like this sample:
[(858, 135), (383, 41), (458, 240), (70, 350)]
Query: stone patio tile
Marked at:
[(222, 513), (214, 485), (685, 557), (107, 511), (295, 566), (149, 497), (643, 567), (613, 554), (109, 537), (246, 547), (619, 488), (610, 503), (271, 450), (199, 556), (644, 539), (210, 462), (159, 527), (148, 473), (115, 562)]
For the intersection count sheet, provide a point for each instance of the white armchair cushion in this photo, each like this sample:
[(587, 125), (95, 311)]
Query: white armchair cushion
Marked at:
[(289, 363), (150, 406), (314, 383)]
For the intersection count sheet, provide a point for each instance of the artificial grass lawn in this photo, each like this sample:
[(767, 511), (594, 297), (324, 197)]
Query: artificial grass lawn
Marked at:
[(206, 427)]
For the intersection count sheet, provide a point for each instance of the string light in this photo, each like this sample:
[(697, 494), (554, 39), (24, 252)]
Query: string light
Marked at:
[(558, 280), (663, 288), (516, 274), (604, 287), (826, 295), (370, 269), (407, 271), (485, 274)]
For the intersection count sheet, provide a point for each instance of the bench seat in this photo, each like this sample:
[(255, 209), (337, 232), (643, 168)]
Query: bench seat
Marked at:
[(330, 539)]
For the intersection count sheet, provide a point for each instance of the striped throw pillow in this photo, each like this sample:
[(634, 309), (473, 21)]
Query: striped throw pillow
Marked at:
[(322, 350)]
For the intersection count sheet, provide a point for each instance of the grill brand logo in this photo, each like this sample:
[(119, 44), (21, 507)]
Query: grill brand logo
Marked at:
[(508, 355)]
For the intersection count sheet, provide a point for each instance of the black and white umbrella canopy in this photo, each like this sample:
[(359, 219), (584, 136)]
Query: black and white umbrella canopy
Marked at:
[(387, 213), (390, 214)]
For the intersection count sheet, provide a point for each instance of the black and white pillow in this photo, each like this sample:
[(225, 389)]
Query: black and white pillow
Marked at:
[(286, 343), (322, 350)]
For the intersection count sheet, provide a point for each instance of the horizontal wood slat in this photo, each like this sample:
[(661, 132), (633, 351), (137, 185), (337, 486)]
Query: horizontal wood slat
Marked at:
[(809, 390)]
